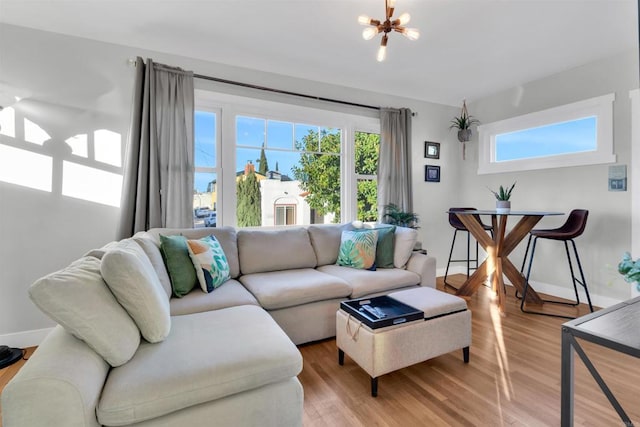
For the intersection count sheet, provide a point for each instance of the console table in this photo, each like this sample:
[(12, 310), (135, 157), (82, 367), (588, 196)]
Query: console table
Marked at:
[(498, 249), (616, 328)]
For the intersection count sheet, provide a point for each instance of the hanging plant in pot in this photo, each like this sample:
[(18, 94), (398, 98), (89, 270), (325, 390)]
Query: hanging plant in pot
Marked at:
[(503, 204), (463, 123)]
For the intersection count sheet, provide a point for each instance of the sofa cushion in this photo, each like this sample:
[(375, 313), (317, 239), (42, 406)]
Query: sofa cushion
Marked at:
[(175, 253), (225, 235), (358, 248), (135, 284), (286, 288), (325, 239), (385, 246), (365, 282), (193, 365), (273, 250), (153, 252), (230, 294), (78, 299), (405, 240), (209, 261)]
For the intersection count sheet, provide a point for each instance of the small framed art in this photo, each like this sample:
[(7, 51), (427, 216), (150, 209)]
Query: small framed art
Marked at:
[(432, 173), (431, 150)]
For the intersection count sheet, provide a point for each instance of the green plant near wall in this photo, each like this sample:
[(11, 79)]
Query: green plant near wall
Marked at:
[(396, 216)]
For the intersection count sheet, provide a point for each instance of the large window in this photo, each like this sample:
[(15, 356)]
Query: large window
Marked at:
[(278, 164), (571, 135), (286, 162)]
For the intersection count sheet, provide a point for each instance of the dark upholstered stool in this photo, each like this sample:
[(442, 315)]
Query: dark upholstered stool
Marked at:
[(459, 226), (572, 228)]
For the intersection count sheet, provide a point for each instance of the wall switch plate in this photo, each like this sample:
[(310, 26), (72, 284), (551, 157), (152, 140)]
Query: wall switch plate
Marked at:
[(618, 178)]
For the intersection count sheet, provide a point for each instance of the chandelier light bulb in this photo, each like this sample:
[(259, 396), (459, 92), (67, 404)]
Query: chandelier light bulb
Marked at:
[(391, 3), (364, 20), (382, 52), (411, 33), (404, 19), (369, 33)]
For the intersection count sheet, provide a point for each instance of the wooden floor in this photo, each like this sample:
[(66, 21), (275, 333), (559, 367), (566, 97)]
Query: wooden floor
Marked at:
[(513, 379)]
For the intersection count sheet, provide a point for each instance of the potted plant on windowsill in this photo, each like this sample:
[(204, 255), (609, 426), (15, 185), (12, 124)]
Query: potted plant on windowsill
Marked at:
[(463, 123), (396, 216), (503, 204)]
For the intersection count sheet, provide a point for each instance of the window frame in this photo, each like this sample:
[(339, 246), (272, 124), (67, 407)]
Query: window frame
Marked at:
[(601, 107), (230, 106)]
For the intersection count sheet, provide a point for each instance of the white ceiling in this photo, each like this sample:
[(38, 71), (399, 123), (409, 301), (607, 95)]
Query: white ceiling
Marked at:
[(467, 49)]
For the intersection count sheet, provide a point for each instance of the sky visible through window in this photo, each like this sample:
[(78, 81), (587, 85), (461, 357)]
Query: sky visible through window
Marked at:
[(575, 136), (279, 138)]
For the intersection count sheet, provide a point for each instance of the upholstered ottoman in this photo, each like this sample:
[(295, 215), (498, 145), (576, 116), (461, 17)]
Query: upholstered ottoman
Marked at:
[(446, 327)]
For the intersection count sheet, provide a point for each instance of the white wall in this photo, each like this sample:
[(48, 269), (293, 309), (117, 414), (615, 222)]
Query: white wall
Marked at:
[(607, 235), (71, 86)]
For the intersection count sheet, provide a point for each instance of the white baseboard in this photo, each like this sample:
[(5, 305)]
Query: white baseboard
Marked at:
[(25, 339), (549, 289)]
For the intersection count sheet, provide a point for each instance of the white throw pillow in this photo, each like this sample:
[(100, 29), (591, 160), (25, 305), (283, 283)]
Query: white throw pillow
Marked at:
[(78, 299), (405, 240), (133, 280)]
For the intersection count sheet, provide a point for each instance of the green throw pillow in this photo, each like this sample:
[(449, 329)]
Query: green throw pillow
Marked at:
[(179, 265), (385, 246), (358, 248), (210, 262)]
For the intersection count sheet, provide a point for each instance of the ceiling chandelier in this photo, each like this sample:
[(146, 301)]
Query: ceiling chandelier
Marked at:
[(388, 25)]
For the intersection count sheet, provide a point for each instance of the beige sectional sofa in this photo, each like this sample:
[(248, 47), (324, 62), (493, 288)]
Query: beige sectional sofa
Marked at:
[(229, 355)]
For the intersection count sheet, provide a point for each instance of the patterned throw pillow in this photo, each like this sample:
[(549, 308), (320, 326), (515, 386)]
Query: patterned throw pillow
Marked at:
[(358, 248), (210, 262)]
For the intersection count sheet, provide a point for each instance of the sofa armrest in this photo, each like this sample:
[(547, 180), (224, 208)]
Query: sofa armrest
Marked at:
[(60, 385), (425, 266)]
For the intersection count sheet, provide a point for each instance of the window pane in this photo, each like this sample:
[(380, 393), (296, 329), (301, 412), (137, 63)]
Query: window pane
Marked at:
[(330, 140), (307, 137), (367, 150), (205, 139), (250, 131), (575, 136), (205, 196), (285, 215), (280, 135), (367, 200)]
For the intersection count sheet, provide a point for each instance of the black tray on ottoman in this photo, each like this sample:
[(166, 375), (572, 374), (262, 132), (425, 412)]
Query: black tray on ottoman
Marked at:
[(379, 312)]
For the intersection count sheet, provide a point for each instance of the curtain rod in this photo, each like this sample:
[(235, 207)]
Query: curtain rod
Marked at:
[(284, 92)]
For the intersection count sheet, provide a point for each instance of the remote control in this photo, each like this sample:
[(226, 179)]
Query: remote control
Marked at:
[(374, 311)]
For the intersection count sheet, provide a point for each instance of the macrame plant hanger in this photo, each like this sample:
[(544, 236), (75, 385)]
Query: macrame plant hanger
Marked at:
[(464, 113)]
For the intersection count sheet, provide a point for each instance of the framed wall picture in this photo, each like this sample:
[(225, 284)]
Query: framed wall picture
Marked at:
[(431, 150), (432, 173)]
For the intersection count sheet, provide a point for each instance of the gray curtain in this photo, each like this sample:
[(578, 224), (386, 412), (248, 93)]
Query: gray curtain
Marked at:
[(394, 164), (157, 187)]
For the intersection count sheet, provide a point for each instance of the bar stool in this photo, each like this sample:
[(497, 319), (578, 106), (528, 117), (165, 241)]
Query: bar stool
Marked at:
[(572, 228), (457, 225)]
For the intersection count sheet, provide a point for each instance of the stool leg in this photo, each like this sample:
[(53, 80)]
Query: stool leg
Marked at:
[(584, 281), (340, 357), (526, 252), (374, 386), (453, 242), (573, 276), (526, 282), (468, 254), (465, 354)]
